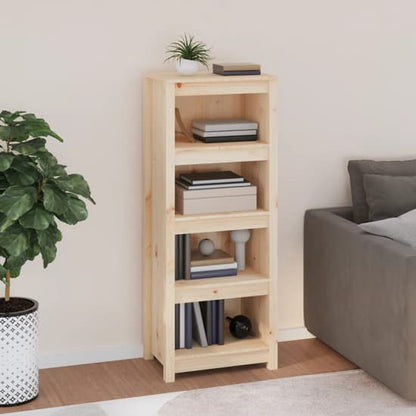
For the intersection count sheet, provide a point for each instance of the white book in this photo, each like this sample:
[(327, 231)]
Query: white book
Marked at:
[(199, 325), (219, 124), (203, 133), (181, 325), (210, 267)]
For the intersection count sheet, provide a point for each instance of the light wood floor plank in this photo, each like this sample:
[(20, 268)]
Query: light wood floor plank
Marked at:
[(130, 378)]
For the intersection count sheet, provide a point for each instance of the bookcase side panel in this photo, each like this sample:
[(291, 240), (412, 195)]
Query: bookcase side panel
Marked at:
[(147, 106), (163, 125)]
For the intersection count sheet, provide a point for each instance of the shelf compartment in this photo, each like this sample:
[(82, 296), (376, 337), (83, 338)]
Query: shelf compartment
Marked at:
[(238, 220), (246, 284), (234, 352), (196, 153)]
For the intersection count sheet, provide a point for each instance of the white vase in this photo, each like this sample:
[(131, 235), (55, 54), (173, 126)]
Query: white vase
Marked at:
[(19, 376), (187, 67)]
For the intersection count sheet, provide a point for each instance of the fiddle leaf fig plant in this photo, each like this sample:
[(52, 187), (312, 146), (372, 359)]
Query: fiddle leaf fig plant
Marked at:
[(35, 192)]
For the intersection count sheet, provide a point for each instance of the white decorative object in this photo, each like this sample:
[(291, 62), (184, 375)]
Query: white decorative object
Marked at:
[(186, 66), (19, 376), (240, 238), (206, 247)]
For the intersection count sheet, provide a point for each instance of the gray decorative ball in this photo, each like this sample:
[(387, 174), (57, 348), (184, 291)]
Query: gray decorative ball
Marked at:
[(206, 247)]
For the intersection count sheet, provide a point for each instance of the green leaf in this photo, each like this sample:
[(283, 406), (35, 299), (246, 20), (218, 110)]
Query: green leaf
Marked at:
[(6, 160), (17, 200), (76, 211), (16, 262), (30, 147), (37, 218), (47, 161), (47, 240), (23, 172), (18, 134), (57, 170), (76, 184), (5, 222), (2, 272), (14, 240), (54, 200), (4, 184), (5, 132), (15, 272)]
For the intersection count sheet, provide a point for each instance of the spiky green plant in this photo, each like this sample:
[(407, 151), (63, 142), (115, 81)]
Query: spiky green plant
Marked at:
[(187, 47), (35, 190)]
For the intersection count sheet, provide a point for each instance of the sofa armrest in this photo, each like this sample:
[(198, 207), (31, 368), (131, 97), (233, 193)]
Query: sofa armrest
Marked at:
[(359, 296)]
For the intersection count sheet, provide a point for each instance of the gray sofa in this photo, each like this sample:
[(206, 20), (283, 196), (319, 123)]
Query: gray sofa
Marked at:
[(360, 296)]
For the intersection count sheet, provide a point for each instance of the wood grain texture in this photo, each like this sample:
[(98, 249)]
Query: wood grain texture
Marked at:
[(130, 378)]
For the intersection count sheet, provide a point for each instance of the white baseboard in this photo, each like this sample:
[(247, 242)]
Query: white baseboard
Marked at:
[(64, 359), (293, 334)]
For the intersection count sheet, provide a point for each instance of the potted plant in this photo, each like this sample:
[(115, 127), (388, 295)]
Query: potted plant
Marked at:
[(35, 192), (188, 54)]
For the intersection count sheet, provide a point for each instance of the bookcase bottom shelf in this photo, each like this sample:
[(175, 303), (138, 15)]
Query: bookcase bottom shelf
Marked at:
[(234, 352)]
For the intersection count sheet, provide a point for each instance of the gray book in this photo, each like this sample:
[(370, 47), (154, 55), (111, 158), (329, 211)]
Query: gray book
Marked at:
[(224, 124), (221, 320), (198, 324), (177, 326), (181, 325), (206, 309), (228, 133), (187, 256)]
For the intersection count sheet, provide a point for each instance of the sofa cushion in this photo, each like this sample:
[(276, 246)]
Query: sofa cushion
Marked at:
[(389, 196), (358, 168), (402, 229)]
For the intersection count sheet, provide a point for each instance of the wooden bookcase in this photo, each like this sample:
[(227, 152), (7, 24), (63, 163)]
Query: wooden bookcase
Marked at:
[(165, 155)]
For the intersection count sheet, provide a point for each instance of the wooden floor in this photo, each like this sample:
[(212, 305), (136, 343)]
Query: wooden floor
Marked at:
[(130, 378)]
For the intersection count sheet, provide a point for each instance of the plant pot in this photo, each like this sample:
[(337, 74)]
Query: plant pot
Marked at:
[(19, 375), (187, 67)]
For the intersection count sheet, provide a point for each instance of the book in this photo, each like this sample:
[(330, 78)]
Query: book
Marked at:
[(214, 318), (254, 72), (213, 186), (177, 326), (224, 124), (181, 325), (214, 273), (180, 257), (225, 133), (182, 193), (209, 178), (198, 325), (187, 256), (188, 325), (217, 257), (236, 66), (221, 321), (226, 139), (176, 257), (212, 267), (206, 308)]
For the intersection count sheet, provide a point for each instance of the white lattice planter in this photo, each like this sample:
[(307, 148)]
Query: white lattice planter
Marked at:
[(19, 375)]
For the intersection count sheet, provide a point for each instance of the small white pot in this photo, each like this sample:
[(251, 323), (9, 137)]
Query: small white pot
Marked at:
[(19, 376), (187, 67)]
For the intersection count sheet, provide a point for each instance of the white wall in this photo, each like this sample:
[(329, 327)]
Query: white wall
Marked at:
[(347, 90)]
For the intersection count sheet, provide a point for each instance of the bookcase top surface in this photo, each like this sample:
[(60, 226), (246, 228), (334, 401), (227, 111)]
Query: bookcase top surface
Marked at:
[(174, 77)]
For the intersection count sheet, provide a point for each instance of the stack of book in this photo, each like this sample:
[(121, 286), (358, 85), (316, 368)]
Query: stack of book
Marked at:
[(224, 130), (218, 264), (211, 192), (202, 321), (236, 69)]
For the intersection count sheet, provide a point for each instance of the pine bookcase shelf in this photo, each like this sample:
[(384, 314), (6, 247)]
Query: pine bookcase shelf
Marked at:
[(237, 220), (233, 352), (247, 283), (187, 153), (166, 154)]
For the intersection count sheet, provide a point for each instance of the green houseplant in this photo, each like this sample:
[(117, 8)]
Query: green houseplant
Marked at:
[(35, 192), (188, 53)]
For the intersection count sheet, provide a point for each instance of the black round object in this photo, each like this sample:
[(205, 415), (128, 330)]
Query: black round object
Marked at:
[(240, 326)]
